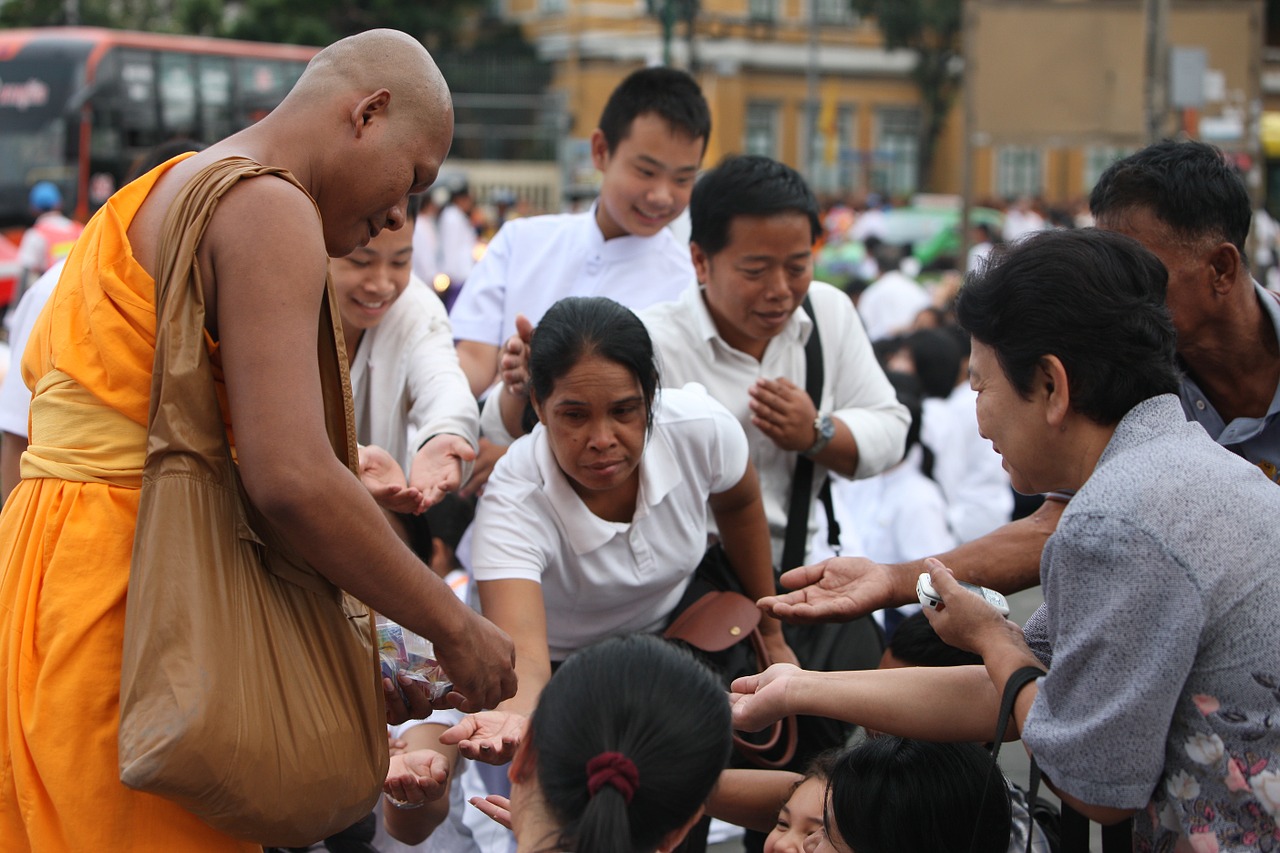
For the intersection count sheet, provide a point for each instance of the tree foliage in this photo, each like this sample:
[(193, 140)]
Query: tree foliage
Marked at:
[(932, 29)]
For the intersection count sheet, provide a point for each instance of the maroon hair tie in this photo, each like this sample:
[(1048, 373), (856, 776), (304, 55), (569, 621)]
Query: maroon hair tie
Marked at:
[(613, 768)]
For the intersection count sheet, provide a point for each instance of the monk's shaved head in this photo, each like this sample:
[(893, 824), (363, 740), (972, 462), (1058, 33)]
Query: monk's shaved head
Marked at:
[(377, 59)]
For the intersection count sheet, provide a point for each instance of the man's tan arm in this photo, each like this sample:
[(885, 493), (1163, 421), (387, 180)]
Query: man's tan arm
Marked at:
[(844, 588), (266, 322), (479, 362)]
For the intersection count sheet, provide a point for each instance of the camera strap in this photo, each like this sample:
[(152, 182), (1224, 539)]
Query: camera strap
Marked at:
[(1020, 679)]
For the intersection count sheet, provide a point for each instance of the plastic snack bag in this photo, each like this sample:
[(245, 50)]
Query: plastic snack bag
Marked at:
[(402, 651)]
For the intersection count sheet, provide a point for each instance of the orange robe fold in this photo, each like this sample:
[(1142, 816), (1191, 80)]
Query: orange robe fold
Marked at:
[(66, 535)]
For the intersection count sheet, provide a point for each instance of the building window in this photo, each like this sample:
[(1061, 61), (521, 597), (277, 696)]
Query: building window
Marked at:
[(762, 10), (1096, 160), (762, 129), (833, 11), (829, 134), (552, 7), (896, 153), (1019, 171)]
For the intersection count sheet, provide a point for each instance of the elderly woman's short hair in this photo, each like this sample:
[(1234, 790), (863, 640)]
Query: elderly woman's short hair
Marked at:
[(1095, 299)]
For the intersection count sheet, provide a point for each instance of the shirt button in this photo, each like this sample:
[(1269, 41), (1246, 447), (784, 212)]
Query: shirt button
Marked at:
[(1200, 405)]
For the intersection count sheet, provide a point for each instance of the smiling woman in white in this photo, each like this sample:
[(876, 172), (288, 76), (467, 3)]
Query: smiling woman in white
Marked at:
[(411, 398), (593, 524)]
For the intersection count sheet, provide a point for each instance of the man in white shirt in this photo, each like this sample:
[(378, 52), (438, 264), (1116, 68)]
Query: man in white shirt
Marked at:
[(457, 239), (890, 305), (740, 332), (648, 148)]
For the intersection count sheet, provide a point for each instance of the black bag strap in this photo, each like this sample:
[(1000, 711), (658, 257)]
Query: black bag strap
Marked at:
[(1020, 679), (797, 534)]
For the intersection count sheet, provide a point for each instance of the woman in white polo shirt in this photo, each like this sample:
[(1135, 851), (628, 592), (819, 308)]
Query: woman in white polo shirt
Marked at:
[(593, 524)]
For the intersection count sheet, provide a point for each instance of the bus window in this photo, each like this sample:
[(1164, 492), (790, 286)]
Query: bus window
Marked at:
[(39, 142), (215, 98), (177, 95), (139, 102), (263, 85)]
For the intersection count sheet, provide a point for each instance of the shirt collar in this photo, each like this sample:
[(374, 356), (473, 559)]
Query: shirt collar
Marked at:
[(1152, 416), (619, 248), (1195, 403), (798, 327), (584, 530)]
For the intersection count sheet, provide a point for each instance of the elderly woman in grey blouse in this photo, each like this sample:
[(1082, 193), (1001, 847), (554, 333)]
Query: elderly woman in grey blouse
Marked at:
[(1160, 629)]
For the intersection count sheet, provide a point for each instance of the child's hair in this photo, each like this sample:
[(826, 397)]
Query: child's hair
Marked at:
[(894, 795), (449, 518), (915, 643), (908, 390), (629, 737), (937, 358), (667, 92)]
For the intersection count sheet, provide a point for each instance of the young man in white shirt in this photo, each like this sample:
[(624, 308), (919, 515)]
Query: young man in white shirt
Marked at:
[(648, 148)]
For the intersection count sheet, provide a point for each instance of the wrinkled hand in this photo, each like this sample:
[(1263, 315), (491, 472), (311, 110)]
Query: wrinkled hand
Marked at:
[(437, 467), (384, 479), (417, 777), (836, 590), (496, 806), (513, 364), (490, 736), (481, 662), (760, 700), (489, 455), (784, 412), (965, 620)]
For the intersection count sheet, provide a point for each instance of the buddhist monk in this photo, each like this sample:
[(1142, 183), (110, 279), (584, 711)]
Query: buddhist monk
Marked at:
[(367, 124)]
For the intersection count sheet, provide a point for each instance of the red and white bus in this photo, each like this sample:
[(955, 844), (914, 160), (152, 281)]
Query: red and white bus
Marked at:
[(79, 105)]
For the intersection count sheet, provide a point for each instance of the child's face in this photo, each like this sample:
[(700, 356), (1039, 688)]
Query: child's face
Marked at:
[(370, 279), (799, 818), (646, 179)]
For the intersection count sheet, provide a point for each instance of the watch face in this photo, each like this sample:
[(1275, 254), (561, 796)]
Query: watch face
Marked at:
[(827, 427)]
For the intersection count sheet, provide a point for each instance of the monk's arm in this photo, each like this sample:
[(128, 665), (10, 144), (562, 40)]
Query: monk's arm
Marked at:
[(269, 261)]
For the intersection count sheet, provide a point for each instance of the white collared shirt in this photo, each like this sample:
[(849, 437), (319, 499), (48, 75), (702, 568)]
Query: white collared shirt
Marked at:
[(535, 261), (406, 384), (854, 389), (602, 578)]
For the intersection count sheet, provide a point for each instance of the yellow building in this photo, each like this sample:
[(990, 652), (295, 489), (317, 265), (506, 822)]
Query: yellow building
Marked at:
[(753, 59), (807, 82)]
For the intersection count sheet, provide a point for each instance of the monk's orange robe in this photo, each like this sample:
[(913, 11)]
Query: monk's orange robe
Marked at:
[(66, 535)]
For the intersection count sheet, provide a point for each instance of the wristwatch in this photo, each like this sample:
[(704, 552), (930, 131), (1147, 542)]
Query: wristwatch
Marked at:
[(825, 428)]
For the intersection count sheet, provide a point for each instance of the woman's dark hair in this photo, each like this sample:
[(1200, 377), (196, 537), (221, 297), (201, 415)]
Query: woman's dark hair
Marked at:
[(894, 795), (649, 702), (747, 185), (667, 92), (1188, 186), (914, 642), (580, 326), (909, 393), (1094, 299), (937, 359)]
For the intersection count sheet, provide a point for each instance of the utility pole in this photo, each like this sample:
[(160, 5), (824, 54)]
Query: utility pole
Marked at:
[(1156, 88), (811, 93)]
